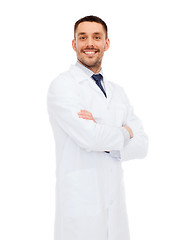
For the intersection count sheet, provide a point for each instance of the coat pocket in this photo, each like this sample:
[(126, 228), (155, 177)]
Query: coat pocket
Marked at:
[(81, 193)]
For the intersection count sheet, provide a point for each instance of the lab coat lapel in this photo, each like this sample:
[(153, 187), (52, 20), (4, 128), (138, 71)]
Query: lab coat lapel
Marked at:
[(108, 89)]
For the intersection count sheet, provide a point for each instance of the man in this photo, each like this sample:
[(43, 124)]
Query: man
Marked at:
[(95, 130)]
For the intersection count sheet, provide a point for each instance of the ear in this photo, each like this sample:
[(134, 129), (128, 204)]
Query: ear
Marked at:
[(107, 44), (74, 44)]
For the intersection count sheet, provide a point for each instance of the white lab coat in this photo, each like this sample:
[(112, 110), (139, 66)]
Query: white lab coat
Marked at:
[(90, 197)]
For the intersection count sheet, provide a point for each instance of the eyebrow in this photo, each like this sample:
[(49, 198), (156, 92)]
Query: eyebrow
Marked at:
[(98, 33), (95, 33), (81, 33)]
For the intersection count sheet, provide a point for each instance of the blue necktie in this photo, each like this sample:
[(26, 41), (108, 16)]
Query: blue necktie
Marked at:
[(98, 77)]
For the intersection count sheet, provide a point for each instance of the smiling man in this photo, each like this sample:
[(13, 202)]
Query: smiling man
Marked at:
[(95, 130)]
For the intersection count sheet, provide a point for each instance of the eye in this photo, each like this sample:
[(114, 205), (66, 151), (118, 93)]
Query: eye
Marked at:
[(82, 38), (97, 37)]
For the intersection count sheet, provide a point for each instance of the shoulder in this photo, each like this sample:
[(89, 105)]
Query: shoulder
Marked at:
[(62, 83)]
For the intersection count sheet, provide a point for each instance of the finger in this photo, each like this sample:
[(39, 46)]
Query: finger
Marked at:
[(86, 118), (85, 114), (84, 111)]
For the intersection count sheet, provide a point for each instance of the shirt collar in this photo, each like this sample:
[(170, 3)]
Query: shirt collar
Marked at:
[(86, 70)]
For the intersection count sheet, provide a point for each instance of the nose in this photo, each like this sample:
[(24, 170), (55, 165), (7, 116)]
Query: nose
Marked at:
[(90, 42)]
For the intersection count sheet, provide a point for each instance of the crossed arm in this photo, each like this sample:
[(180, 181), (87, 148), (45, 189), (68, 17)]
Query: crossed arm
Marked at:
[(66, 112), (87, 115)]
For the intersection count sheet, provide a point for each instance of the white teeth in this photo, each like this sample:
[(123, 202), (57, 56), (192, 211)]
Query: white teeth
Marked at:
[(89, 52)]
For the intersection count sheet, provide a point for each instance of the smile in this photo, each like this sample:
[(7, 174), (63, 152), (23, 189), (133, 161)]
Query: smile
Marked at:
[(90, 53)]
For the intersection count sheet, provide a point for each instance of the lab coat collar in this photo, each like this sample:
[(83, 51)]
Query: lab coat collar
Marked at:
[(77, 73)]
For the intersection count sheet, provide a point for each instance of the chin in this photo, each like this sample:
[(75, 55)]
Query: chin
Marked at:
[(89, 63)]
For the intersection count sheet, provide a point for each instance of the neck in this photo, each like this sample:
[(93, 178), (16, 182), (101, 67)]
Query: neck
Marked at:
[(95, 69)]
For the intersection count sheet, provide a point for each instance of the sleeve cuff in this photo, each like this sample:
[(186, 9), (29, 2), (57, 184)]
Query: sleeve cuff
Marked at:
[(115, 154), (118, 154)]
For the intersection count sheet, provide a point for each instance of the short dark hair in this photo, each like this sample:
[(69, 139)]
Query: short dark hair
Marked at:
[(91, 18)]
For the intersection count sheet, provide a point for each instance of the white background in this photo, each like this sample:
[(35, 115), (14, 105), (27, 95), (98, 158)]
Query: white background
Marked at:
[(152, 57)]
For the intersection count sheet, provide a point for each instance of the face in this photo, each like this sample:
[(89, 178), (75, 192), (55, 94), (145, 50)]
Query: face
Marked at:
[(90, 43)]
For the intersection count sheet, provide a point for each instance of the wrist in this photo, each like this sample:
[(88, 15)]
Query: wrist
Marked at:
[(129, 130)]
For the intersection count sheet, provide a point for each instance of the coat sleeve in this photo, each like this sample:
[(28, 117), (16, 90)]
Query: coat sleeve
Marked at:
[(63, 104), (136, 147)]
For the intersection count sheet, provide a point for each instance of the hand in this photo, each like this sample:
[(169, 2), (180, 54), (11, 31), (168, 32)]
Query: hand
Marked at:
[(129, 131), (85, 115)]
